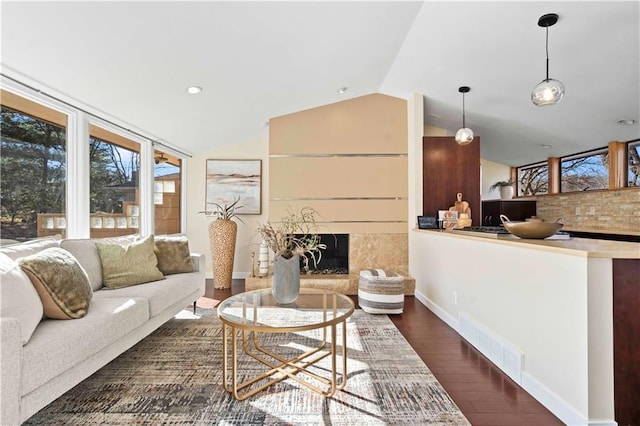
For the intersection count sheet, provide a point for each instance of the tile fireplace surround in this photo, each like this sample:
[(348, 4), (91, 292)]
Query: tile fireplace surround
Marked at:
[(381, 251)]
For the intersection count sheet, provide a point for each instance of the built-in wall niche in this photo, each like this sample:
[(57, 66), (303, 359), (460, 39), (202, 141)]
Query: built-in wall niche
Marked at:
[(334, 259)]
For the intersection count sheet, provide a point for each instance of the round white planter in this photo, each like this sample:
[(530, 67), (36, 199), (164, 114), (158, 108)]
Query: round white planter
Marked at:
[(506, 192)]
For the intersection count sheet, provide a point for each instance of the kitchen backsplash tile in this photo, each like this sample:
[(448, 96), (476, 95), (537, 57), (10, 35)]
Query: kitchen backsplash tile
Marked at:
[(596, 209)]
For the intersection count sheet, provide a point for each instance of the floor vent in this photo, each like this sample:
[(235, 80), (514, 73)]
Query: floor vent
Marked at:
[(504, 356)]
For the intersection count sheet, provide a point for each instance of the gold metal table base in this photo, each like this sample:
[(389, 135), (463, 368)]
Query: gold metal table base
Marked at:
[(281, 368)]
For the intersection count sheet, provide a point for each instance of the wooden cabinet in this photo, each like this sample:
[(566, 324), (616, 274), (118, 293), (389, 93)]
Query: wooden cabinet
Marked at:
[(626, 341), (449, 168), (515, 210)]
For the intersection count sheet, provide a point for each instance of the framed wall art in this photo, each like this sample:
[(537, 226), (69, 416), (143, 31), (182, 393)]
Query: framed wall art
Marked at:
[(228, 180)]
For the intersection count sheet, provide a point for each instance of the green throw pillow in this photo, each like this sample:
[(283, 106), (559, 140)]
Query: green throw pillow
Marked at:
[(174, 256), (61, 283), (124, 266)]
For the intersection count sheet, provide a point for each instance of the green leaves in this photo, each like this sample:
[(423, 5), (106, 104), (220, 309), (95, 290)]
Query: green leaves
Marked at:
[(224, 211)]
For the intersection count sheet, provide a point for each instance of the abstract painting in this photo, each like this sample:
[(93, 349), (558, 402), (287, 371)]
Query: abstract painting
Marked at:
[(228, 180)]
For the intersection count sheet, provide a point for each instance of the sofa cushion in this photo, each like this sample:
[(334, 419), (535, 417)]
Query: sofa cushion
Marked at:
[(173, 254), (19, 298), (124, 266), (161, 294), (57, 346), (28, 248), (85, 251), (61, 283)]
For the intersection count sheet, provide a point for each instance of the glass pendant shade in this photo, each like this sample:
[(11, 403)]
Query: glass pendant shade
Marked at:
[(464, 136), (547, 92)]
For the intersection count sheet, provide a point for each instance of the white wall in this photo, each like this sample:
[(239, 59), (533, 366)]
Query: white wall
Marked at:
[(491, 173), (197, 224), (554, 308)]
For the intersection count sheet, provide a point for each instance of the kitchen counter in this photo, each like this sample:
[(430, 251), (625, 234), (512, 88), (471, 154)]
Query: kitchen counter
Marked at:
[(611, 231), (540, 310), (585, 247)]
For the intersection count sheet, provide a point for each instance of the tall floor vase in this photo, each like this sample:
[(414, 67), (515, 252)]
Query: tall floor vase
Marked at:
[(222, 237), (285, 285)]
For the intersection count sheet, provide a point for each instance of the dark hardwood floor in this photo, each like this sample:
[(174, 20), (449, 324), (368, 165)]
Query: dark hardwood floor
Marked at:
[(485, 395)]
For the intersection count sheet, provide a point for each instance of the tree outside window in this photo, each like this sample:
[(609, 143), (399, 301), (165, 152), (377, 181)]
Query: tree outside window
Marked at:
[(585, 172), (114, 188), (533, 179), (634, 163), (33, 168)]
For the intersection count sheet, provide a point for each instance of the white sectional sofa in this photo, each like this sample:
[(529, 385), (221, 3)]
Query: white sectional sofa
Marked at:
[(61, 353)]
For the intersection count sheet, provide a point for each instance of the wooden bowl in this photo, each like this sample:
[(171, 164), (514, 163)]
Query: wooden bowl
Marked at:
[(531, 230)]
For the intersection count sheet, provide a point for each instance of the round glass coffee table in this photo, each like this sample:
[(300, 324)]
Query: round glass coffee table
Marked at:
[(255, 313)]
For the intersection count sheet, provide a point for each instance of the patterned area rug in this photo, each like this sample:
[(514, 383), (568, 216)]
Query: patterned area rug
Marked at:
[(174, 377)]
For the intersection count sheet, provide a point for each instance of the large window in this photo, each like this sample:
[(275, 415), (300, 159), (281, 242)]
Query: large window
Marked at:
[(42, 194), (633, 172), (33, 171), (114, 184), (585, 172), (533, 179)]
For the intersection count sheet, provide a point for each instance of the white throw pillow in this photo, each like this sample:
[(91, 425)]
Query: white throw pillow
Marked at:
[(18, 298)]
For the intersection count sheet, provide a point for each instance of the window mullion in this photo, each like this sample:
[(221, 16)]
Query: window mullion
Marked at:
[(618, 165)]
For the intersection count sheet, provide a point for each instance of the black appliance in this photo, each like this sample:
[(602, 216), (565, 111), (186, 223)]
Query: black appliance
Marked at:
[(427, 222), (485, 231), (515, 210)]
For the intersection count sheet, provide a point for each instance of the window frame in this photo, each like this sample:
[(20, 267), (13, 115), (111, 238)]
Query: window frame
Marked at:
[(538, 164), (79, 118), (584, 154)]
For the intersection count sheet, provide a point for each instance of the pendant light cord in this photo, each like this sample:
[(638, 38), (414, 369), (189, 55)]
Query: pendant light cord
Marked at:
[(463, 121), (547, 50)]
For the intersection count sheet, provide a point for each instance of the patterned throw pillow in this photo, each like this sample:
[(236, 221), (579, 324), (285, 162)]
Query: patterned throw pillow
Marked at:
[(61, 283), (124, 266), (174, 256)]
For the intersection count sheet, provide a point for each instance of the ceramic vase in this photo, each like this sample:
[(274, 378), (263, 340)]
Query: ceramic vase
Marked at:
[(285, 285), (222, 237), (506, 192), (263, 259)]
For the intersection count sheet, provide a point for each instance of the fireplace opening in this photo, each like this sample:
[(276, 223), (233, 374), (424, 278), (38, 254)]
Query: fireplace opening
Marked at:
[(335, 258)]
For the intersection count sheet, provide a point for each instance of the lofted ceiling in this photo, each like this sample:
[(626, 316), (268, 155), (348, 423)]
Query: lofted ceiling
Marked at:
[(255, 60)]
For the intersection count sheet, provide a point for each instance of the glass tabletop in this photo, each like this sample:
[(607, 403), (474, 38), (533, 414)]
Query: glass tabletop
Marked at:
[(258, 310)]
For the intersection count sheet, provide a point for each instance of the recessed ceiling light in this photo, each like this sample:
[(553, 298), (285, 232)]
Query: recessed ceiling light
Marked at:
[(626, 122), (342, 90), (194, 90), (545, 146)]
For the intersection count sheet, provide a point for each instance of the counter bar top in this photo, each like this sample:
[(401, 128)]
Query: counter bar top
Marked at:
[(583, 247), (611, 231)]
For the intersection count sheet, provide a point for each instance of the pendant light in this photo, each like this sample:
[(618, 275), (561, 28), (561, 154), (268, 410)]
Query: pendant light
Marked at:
[(549, 91), (464, 136)]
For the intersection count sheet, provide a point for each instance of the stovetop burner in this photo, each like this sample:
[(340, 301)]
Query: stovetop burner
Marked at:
[(485, 231)]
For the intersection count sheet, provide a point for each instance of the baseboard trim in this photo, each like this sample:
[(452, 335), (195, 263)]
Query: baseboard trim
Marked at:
[(439, 312), (553, 403), (537, 390)]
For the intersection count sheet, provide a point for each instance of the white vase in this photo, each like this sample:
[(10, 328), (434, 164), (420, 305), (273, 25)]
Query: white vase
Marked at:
[(285, 285), (506, 192), (263, 259)]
